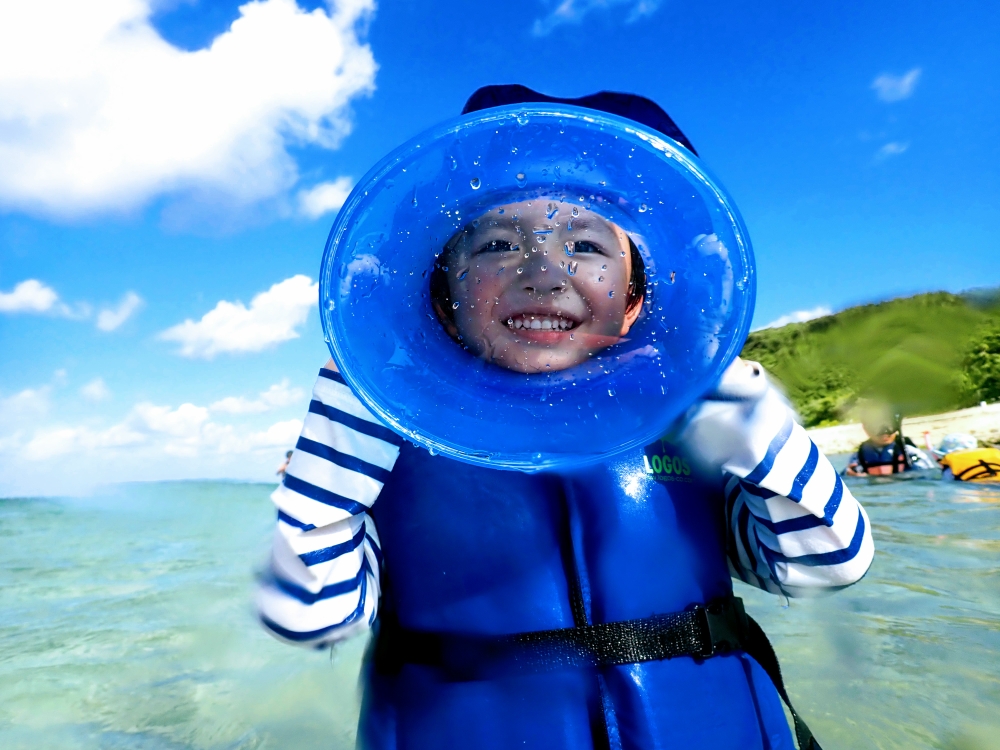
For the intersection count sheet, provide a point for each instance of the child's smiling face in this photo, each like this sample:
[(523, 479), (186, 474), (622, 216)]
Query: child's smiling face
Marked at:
[(539, 286)]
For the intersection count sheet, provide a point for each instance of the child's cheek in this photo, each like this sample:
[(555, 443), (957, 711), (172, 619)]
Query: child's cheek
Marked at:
[(484, 283)]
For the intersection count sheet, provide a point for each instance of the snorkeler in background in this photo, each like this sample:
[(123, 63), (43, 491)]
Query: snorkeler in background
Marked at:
[(284, 465), (462, 567), (882, 454)]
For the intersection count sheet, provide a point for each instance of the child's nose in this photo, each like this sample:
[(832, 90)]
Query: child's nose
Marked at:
[(541, 276), (544, 288)]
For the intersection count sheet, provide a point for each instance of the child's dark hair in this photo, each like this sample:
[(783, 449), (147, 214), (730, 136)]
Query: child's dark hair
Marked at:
[(441, 292)]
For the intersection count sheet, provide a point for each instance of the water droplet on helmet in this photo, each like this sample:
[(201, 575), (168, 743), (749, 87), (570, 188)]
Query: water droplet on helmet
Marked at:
[(475, 183), (600, 278), (604, 268), (521, 179), (551, 210), (520, 270), (522, 119), (611, 293), (643, 208), (545, 268), (571, 269), (462, 274), (452, 163), (570, 247), (454, 305), (673, 275), (329, 304), (576, 211), (611, 392)]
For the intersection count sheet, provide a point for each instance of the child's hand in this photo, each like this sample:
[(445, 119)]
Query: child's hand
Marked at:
[(727, 425)]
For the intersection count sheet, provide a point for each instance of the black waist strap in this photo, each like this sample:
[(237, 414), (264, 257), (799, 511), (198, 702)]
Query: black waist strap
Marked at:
[(702, 632)]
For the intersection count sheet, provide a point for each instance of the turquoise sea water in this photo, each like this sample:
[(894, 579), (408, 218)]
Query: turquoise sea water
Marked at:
[(125, 623)]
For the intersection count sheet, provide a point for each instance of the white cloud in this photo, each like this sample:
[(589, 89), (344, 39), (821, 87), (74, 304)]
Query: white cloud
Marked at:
[(573, 12), (60, 441), (891, 149), (325, 197), (98, 113), (185, 421), (109, 319), (150, 442), (890, 88), (275, 397), (95, 390), (231, 327), (279, 435), (25, 406), (31, 296), (154, 430), (799, 316)]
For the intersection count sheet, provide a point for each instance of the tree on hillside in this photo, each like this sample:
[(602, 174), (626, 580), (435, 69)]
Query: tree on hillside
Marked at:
[(981, 367)]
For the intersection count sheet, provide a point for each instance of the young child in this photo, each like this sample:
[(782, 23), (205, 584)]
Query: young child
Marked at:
[(557, 610), (534, 306)]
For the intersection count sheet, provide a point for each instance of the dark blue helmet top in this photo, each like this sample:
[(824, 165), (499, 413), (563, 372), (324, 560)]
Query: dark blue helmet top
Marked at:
[(637, 108)]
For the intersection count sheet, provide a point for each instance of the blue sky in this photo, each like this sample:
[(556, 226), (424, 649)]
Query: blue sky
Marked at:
[(166, 160)]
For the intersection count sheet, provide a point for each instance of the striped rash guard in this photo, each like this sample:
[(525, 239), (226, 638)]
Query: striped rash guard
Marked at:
[(793, 527)]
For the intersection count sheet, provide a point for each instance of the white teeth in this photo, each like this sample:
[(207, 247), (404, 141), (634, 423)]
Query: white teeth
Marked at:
[(539, 322)]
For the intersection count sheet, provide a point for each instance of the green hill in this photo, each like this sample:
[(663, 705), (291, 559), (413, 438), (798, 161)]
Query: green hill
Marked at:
[(922, 355)]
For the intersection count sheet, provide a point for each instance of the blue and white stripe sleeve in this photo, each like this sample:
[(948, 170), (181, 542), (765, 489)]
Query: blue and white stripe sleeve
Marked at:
[(793, 525), (324, 577)]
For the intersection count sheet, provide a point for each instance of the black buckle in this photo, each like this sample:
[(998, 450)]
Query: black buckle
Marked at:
[(724, 622)]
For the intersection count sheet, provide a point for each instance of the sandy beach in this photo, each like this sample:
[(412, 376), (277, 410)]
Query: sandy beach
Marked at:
[(981, 421)]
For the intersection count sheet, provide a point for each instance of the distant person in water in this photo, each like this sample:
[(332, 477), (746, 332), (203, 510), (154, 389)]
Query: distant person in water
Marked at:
[(883, 452), (284, 467)]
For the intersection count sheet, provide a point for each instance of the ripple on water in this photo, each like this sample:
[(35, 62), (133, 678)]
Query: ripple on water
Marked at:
[(127, 624)]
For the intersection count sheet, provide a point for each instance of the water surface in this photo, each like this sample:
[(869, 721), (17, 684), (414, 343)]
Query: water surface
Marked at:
[(125, 623)]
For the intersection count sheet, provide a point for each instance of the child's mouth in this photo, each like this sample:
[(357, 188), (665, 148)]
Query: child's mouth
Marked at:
[(530, 322)]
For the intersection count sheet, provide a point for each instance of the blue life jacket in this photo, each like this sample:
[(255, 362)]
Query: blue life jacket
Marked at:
[(481, 551), (871, 455)]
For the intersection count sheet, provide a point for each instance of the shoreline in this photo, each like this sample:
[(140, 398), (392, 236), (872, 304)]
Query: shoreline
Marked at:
[(981, 421)]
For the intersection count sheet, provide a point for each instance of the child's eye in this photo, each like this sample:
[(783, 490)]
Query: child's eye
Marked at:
[(583, 246), (495, 246)]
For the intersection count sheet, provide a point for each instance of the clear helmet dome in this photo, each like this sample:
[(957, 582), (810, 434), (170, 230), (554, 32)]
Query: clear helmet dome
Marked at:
[(536, 286)]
